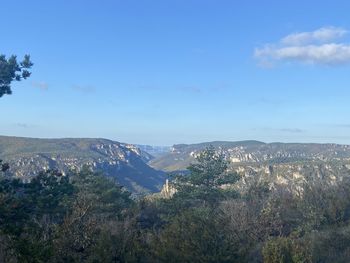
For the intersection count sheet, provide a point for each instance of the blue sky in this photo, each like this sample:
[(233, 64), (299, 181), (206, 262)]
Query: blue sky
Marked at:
[(165, 72)]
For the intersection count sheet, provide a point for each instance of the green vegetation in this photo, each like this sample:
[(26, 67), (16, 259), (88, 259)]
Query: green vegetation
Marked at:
[(58, 218), (206, 179), (4, 166), (11, 70), (86, 217), (28, 156)]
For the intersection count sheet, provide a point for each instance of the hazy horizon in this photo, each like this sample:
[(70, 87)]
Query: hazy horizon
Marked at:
[(175, 143)]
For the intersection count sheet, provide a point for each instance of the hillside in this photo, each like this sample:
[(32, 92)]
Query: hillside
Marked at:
[(253, 152), (125, 162)]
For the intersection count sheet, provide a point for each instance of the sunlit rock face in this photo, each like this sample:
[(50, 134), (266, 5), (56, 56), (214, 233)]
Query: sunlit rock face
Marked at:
[(253, 152), (279, 164), (126, 162)]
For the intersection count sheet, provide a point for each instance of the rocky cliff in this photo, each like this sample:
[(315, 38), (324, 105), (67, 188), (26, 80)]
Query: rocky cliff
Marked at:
[(126, 162)]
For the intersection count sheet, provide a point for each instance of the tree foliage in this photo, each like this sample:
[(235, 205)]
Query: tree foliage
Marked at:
[(12, 70), (4, 167), (206, 179), (56, 216)]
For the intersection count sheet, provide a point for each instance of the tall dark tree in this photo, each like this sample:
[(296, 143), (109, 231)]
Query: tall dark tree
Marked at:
[(3, 167), (207, 178), (12, 70)]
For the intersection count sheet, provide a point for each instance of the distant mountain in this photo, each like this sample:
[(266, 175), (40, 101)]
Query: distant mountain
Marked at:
[(142, 168), (126, 162), (253, 152)]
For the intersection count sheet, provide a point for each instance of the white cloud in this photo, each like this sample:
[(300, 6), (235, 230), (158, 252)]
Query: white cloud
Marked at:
[(327, 54), (322, 35), (308, 47)]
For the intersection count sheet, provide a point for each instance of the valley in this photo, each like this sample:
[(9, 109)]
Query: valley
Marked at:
[(143, 169)]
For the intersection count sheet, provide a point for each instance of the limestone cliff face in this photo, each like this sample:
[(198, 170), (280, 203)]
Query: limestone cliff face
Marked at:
[(293, 176), (168, 190), (253, 152), (278, 164), (126, 162)]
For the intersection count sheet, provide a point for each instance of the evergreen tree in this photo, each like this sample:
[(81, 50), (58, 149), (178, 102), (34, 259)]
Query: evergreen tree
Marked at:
[(11, 70), (206, 179)]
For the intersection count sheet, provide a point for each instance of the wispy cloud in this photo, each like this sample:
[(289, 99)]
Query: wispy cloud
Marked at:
[(292, 130), (84, 89), (23, 125), (316, 47), (40, 85), (322, 35), (283, 130)]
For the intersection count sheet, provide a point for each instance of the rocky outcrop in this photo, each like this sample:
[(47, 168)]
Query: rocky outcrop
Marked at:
[(253, 152), (125, 162)]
